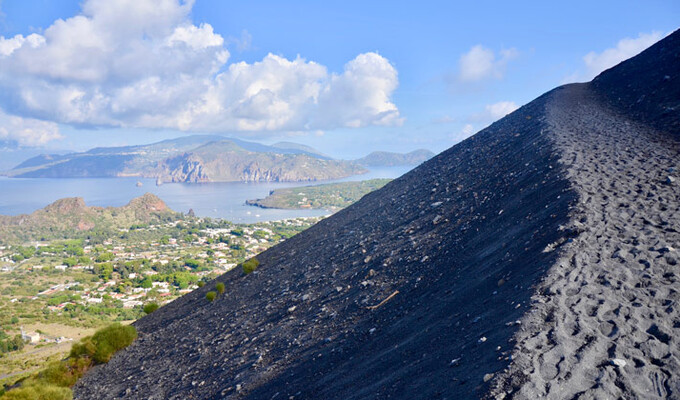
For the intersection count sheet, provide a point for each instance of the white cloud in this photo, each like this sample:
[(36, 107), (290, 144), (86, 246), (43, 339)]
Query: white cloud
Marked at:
[(467, 130), (242, 43), (625, 49), (360, 96), (494, 112), (501, 109), (143, 63), (482, 63), (27, 131), (595, 63)]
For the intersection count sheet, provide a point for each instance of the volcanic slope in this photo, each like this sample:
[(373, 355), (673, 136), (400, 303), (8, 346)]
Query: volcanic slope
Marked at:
[(423, 288), (606, 322)]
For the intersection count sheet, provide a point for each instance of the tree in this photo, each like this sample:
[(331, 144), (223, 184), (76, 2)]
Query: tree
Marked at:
[(147, 283)]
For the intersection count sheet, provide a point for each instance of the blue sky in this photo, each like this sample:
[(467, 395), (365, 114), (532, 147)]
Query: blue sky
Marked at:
[(345, 77)]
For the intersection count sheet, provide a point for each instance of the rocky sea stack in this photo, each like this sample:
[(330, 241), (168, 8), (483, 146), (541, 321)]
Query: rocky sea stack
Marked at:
[(538, 258)]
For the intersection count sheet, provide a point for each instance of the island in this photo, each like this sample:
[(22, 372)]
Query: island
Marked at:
[(331, 195)]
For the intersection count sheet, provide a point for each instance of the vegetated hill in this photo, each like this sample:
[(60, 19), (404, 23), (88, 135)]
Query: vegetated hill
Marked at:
[(290, 146), (141, 160), (537, 258), (330, 195), (70, 217), (225, 161), (388, 159)]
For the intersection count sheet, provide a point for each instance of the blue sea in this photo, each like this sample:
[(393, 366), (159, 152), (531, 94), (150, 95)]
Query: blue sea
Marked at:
[(216, 200)]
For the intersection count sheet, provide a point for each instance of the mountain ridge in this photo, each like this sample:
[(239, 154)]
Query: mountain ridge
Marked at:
[(390, 159), (145, 160), (208, 158), (509, 266)]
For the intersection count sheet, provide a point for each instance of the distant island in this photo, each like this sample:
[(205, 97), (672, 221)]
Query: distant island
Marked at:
[(208, 158), (388, 159), (198, 158), (72, 218), (332, 195)]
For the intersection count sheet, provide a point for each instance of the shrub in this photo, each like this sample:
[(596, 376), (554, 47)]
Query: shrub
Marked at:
[(220, 287), (101, 346), (111, 339), (200, 284), (150, 307), (54, 382), (210, 296), (250, 265)]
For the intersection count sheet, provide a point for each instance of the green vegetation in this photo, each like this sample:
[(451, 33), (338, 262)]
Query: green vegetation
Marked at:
[(54, 381), (65, 288), (104, 343), (39, 392), (333, 195), (8, 344), (210, 296), (220, 287), (71, 219), (150, 307), (250, 265)]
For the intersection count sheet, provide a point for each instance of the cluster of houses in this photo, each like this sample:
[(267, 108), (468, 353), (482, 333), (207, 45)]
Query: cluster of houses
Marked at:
[(247, 238)]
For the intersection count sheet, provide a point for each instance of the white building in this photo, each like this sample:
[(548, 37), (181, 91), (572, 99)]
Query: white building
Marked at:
[(30, 337)]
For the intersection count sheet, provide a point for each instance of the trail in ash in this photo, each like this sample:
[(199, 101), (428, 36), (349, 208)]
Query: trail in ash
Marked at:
[(614, 293)]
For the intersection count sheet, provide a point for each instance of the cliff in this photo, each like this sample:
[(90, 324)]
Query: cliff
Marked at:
[(226, 162)]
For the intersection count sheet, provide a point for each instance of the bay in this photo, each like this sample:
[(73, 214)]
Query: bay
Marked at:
[(224, 200)]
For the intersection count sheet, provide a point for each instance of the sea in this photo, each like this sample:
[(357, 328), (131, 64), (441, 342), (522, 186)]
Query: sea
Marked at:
[(224, 200)]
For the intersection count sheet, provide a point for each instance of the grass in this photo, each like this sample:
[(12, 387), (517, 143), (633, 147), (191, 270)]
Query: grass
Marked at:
[(54, 381)]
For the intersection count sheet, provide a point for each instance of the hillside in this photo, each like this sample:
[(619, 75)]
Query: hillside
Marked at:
[(282, 160), (388, 159), (71, 218), (224, 161), (535, 259), (330, 195)]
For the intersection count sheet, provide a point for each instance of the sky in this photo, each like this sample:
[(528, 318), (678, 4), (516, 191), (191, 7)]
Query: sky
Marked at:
[(345, 77)]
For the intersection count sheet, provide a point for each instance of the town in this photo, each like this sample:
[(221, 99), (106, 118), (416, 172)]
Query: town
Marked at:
[(56, 291)]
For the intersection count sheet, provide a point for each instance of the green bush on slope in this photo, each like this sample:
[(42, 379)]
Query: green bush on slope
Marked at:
[(250, 265), (220, 287), (54, 382)]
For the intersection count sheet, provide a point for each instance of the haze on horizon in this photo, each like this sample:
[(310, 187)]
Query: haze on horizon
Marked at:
[(345, 79)]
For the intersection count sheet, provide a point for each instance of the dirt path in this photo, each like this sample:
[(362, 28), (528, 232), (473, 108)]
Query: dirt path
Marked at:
[(605, 323)]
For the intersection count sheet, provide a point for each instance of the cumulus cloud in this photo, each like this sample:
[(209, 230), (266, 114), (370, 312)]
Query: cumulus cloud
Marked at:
[(625, 49), (595, 62), (482, 63), (26, 131), (143, 63)]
